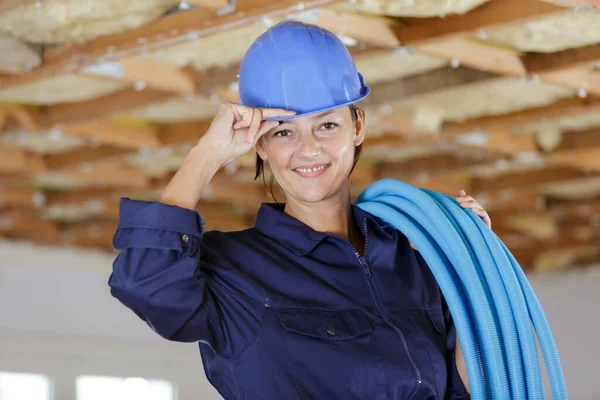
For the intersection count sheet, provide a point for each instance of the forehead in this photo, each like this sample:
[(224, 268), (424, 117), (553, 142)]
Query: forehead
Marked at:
[(339, 113)]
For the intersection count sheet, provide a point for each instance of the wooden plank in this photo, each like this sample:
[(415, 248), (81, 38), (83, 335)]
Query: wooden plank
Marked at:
[(428, 82), (71, 158), (585, 158), (541, 63), (20, 197), (69, 197), (375, 30), (475, 54), (184, 132), (579, 140), (99, 108), (518, 180), (110, 133), (17, 160), (561, 108), (167, 31), (154, 74), (116, 173), (581, 78), (491, 13), (443, 161)]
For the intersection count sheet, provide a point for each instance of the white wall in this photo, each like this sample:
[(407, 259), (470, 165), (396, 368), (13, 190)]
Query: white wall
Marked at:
[(57, 317)]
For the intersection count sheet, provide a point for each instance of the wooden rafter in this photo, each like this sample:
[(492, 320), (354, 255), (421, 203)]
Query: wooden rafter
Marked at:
[(491, 13)]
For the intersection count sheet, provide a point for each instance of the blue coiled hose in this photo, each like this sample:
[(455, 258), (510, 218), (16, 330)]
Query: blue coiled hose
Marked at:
[(494, 308)]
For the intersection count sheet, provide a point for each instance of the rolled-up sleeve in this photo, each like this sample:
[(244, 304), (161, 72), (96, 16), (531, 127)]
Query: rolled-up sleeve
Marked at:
[(163, 275)]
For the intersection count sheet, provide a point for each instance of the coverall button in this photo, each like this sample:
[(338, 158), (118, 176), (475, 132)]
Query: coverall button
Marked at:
[(184, 238), (330, 330)]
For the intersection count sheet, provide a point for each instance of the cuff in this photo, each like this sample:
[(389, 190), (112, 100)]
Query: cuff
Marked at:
[(156, 215)]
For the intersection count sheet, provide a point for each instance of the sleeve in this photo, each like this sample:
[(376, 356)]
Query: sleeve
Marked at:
[(183, 289), (455, 388)]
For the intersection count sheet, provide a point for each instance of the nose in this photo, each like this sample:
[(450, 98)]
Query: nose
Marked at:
[(309, 146)]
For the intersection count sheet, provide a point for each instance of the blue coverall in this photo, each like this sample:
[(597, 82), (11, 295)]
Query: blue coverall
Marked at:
[(283, 312)]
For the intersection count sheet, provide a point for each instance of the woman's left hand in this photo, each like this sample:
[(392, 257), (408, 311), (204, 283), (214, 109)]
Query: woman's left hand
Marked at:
[(469, 202)]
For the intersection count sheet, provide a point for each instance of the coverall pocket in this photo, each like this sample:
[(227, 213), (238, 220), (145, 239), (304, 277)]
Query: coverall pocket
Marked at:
[(332, 353), (325, 324)]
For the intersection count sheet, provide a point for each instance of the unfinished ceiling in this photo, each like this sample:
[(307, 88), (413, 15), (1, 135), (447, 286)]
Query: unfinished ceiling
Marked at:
[(102, 99)]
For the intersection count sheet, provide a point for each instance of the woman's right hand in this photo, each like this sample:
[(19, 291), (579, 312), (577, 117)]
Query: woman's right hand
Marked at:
[(235, 129)]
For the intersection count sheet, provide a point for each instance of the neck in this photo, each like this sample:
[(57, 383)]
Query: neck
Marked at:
[(333, 215)]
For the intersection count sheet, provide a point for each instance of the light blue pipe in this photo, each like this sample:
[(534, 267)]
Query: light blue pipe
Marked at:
[(491, 301)]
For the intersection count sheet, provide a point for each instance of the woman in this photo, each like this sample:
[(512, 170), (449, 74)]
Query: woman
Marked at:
[(319, 300)]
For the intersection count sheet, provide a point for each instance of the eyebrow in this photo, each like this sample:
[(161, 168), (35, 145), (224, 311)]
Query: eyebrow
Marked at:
[(314, 117)]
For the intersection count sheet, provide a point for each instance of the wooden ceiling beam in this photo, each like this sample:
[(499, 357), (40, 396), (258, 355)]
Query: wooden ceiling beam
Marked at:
[(491, 13), (372, 29), (428, 82), (544, 63), (114, 134), (562, 108), (475, 53), (75, 157), (102, 107), (148, 72), (21, 197), (525, 179), (18, 160), (184, 132)]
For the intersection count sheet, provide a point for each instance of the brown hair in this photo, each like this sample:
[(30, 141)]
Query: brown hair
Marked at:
[(260, 165)]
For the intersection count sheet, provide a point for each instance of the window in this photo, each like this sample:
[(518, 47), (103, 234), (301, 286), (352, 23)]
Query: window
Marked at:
[(18, 386), (115, 388)]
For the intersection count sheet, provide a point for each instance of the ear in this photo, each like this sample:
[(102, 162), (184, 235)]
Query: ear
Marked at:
[(359, 127), (260, 149)]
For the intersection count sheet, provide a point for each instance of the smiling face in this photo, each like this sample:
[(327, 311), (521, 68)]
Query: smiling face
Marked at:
[(311, 156)]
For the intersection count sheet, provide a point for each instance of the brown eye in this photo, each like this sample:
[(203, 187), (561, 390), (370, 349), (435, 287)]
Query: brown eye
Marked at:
[(283, 133), (329, 125)]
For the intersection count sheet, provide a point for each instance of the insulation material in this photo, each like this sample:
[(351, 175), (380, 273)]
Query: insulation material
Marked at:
[(209, 51), (585, 188), (16, 56), (564, 124), (490, 97), (157, 163), (550, 34), (42, 142), (491, 170), (385, 65), (73, 212), (60, 181), (76, 21), (176, 110), (64, 88), (411, 8)]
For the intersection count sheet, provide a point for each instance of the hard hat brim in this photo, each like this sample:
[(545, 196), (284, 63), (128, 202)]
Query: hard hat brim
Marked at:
[(367, 91)]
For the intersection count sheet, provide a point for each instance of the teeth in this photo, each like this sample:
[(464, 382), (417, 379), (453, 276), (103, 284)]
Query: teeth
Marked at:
[(307, 170)]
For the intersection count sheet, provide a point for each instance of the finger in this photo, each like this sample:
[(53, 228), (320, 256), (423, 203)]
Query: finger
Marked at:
[(462, 192), (265, 127), (464, 198), (244, 119), (276, 112), (254, 126), (469, 204)]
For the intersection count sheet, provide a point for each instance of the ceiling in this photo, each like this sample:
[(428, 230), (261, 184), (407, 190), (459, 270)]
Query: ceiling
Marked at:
[(102, 99)]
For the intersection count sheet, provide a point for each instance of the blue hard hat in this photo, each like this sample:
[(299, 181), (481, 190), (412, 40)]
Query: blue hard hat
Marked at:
[(299, 67)]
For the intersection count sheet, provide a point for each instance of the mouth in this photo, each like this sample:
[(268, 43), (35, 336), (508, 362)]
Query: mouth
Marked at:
[(312, 170)]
